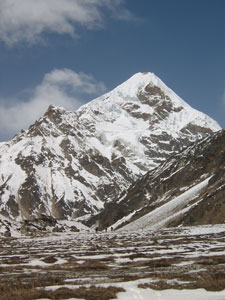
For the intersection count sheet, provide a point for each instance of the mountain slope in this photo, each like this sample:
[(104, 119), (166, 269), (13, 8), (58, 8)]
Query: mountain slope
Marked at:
[(69, 164), (187, 189)]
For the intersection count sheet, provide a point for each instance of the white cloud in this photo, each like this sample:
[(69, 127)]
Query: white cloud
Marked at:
[(29, 20), (60, 87)]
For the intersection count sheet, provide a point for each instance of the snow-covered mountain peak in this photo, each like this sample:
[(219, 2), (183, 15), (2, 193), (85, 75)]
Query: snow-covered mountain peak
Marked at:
[(53, 108), (68, 164), (140, 83), (131, 87), (144, 97)]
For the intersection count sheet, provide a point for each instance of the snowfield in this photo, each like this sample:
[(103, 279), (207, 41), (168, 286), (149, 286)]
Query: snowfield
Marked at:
[(134, 293), (174, 263)]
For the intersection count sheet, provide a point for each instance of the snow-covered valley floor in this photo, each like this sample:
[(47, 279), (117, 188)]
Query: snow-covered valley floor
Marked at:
[(176, 263)]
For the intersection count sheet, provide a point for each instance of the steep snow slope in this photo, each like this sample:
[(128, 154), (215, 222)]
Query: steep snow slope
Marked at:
[(187, 189), (164, 214), (69, 164)]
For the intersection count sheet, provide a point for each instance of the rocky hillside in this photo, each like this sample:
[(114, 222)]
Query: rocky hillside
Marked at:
[(69, 164), (188, 189)]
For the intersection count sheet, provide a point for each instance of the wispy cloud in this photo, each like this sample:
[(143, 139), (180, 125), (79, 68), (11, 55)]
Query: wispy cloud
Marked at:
[(60, 87), (29, 20)]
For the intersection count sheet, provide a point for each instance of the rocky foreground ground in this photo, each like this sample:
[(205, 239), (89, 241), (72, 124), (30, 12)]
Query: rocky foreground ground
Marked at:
[(97, 266)]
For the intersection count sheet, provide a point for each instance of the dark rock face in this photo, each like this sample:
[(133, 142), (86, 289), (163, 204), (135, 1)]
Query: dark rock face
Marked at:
[(69, 164), (202, 160)]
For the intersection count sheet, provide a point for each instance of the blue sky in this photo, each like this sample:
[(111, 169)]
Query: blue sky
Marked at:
[(67, 52)]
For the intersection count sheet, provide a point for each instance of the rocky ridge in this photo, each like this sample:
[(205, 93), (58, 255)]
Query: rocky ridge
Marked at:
[(187, 189)]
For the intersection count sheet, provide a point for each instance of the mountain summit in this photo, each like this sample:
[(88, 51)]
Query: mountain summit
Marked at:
[(69, 164)]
